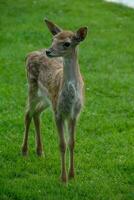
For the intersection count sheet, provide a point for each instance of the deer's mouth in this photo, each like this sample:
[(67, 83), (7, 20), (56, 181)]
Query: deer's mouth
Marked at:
[(50, 54)]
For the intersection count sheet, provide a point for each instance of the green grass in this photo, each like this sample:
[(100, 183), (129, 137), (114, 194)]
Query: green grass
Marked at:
[(104, 152)]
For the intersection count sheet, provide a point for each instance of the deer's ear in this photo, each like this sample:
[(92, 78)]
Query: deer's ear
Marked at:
[(54, 29), (81, 34)]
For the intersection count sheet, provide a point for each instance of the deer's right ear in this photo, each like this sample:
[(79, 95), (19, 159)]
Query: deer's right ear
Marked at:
[(81, 34), (54, 29)]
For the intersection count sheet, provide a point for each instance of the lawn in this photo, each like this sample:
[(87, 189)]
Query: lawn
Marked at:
[(104, 153)]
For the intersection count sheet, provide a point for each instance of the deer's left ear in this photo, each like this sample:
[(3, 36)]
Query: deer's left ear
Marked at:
[(81, 34), (54, 29)]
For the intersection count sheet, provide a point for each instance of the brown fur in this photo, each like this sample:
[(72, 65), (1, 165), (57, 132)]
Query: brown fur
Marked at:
[(64, 35), (45, 71), (56, 80)]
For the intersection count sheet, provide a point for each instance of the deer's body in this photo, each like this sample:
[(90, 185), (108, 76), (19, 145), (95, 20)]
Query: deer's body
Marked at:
[(56, 81), (50, 86)]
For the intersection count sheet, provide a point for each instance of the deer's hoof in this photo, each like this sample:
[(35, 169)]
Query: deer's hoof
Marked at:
[(71, 175), (39, 152), (63, 178), (24, 151)]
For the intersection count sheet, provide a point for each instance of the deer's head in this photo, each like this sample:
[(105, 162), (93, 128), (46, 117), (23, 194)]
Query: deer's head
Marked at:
[(64, 41)]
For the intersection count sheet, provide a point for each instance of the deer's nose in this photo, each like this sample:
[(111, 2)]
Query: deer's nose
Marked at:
[(48, 52)]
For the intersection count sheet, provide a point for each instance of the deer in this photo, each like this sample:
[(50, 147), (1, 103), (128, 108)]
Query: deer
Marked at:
[(54, 79)]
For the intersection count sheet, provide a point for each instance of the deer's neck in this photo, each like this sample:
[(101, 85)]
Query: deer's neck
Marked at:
[(71, 67)]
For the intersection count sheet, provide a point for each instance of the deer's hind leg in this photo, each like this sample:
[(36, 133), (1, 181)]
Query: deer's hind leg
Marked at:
[(28, 119), (31, 111), (35, 107), (32, 102), (36, 118)]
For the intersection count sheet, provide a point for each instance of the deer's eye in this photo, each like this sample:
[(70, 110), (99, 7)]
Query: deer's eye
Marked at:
[(66, 44)]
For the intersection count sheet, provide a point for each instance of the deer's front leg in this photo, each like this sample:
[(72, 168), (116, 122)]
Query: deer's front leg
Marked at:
[(62, 145), (72, 124)]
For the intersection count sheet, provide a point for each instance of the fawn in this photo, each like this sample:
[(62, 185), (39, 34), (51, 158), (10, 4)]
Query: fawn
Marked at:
[(54, 78)]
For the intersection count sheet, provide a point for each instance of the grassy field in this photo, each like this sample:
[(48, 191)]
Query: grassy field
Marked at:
[(104, 152)]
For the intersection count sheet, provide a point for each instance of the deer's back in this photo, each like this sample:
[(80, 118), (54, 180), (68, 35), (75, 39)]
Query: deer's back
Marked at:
[(45, 74)]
